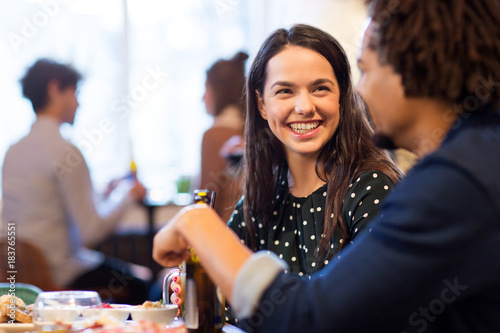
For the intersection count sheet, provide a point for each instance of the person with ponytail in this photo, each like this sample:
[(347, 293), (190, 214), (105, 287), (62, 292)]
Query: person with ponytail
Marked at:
[(223, 101)]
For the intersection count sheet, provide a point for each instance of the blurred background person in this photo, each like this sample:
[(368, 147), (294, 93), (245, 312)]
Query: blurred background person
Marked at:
[(221, 143), (47, 192)]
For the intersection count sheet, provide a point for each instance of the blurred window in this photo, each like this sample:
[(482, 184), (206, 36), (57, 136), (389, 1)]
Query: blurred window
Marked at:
[(143, 63)]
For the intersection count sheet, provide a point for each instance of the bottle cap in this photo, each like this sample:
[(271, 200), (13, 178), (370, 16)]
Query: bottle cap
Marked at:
[(206, 196)]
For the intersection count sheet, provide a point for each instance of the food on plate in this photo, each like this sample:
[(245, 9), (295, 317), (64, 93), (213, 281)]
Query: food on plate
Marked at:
[(154, 311), (151, 305), (13, 309), (114, 312)]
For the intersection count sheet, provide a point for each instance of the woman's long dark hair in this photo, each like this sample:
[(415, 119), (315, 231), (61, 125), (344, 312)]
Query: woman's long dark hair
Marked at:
[(347, 154)]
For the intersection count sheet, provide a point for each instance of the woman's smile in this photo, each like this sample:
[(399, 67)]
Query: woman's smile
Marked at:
[(304, 127)]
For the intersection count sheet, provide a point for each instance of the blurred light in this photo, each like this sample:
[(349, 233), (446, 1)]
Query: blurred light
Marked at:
[(110, 12), (156, 195), (180, 32), (230, 40), (95, 7), (148, 12)]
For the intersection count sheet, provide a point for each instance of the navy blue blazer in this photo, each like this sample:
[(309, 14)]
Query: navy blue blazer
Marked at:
[(429, 263)]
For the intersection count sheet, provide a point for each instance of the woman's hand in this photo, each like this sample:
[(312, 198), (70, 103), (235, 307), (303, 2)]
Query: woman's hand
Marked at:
[(175, 286)]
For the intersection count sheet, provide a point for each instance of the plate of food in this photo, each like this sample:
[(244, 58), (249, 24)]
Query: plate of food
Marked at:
[(15, 315), (156, 312)]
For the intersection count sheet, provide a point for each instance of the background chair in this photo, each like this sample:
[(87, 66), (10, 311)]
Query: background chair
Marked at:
[(30, 265)]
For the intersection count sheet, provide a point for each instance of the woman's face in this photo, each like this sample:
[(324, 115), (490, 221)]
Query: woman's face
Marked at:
[(209, 99), (300, 100)]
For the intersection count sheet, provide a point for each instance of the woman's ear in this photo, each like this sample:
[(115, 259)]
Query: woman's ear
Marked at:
[(260, 105)]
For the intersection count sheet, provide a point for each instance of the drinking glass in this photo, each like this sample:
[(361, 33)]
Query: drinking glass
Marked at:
[(56, 310)]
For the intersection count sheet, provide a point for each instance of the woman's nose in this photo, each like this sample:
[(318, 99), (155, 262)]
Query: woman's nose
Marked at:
[(304, 104)]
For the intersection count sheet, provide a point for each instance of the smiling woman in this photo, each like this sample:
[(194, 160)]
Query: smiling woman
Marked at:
[(314, 179)]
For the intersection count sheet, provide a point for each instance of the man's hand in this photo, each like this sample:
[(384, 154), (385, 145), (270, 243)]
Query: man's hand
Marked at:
[(138, 191), (169, 247), (218, 247)]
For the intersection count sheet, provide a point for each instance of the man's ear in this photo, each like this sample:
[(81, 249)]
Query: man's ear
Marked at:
[(52, 88), (260, 105)]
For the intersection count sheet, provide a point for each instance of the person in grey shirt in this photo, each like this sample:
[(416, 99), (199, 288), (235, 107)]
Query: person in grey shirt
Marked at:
[(47, 192)]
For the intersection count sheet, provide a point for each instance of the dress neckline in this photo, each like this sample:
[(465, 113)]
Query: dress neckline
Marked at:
[(318, 191)]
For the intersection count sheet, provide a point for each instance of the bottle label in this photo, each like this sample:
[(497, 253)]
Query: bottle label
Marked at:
[(219, 309), (191, 319), (194, 256)]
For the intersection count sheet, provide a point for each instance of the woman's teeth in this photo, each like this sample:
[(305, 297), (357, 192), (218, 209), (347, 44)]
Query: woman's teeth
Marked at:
[(302, 128)]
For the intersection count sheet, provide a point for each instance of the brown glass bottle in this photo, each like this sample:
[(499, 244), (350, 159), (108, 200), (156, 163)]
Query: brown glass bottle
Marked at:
[(203, 310)]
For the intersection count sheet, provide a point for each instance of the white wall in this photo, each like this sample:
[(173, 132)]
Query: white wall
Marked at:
[(343, 19)]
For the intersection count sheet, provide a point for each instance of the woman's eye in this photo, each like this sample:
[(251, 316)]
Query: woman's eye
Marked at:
[(283, 91), (322, 88)]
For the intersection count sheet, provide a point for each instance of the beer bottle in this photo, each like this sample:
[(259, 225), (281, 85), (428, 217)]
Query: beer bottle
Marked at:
[(203, 302)]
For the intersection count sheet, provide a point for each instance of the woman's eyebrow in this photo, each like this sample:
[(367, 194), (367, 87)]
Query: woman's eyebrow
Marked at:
[(314, 83), (321, 81), (283, 83)]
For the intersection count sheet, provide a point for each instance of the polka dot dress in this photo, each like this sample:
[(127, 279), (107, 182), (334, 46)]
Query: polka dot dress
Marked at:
[(296, 226)]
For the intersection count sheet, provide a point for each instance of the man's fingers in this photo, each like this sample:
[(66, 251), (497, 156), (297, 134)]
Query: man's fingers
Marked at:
[(170, 259)]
